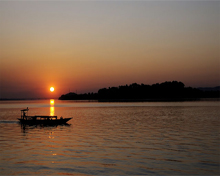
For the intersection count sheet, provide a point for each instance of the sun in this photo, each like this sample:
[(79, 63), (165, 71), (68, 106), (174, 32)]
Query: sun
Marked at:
[(52, 89)]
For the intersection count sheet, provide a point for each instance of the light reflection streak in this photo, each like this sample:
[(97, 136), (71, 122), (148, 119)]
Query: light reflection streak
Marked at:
[(51, 101), (52, 109)]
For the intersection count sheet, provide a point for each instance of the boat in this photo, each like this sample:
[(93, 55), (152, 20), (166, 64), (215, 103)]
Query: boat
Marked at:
[(39, 119)]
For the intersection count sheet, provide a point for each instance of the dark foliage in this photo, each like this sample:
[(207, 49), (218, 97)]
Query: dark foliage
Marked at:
[(167, 91)]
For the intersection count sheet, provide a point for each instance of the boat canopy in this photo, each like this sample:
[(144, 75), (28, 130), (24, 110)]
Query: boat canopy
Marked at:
[(25, 109)]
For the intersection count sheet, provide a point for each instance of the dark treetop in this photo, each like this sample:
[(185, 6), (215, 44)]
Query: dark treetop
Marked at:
[(166, 91)]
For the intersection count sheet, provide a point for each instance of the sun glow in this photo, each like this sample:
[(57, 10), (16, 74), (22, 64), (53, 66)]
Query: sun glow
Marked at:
[(52, 89)]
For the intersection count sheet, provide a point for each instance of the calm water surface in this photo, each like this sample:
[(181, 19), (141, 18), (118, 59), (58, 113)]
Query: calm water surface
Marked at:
[(112, 138)]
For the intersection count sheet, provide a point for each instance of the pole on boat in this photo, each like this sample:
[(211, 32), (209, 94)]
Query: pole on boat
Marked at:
[(23, 113)]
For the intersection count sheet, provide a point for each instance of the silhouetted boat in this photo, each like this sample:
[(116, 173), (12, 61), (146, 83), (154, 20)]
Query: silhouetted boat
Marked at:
[(38, 119)]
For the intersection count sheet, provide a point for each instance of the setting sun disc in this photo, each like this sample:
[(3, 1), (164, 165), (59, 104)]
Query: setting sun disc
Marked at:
[(52, 89)]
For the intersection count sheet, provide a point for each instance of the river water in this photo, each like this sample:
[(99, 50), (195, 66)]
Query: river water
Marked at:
[(157, 138)]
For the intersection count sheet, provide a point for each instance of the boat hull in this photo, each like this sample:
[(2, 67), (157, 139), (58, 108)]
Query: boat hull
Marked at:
[(44, 122)]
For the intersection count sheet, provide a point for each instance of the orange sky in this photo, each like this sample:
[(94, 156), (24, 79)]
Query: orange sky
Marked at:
[(85, 46)]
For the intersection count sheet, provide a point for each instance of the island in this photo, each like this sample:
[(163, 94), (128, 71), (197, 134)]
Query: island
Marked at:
[(166, 91)]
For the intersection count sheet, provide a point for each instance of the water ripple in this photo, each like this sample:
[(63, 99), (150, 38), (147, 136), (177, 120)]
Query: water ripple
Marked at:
[(115, 141)]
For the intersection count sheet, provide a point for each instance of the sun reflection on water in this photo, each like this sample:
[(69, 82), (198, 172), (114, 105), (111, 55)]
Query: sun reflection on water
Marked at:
[(51, 101), (52, 109)]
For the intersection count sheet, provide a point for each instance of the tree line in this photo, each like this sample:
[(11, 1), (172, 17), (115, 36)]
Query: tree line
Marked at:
[(166, 91)]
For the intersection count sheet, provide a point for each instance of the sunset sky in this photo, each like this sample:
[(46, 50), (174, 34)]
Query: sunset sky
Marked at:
[(86, 45)]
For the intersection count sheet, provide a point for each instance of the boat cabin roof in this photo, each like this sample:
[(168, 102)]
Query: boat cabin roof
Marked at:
[(25, 109)]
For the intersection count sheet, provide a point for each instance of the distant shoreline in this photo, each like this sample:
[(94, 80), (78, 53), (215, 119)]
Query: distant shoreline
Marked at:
[(160, 92), (160, 100), (20, 99), (124, 100)]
